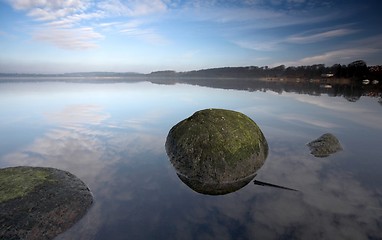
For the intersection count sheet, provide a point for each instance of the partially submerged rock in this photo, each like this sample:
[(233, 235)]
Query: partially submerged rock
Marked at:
[(325, 145), (216, 151), (40, 203)]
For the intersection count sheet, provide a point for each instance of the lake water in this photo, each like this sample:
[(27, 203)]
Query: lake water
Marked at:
[(112, 136)]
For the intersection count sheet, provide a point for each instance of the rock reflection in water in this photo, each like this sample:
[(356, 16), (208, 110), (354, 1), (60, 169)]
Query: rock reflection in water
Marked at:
[(217, 188)]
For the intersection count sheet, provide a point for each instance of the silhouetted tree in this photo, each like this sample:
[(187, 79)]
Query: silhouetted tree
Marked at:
[(358, 69)]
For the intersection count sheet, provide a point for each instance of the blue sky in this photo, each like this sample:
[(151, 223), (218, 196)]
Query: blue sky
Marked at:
[(58, 36)]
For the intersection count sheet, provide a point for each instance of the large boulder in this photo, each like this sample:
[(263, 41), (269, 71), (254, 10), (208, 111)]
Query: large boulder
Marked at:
[(216, 151), (40, 203), (325, 145)]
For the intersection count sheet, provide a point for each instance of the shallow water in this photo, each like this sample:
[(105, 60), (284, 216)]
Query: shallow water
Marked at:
[(112, 137)]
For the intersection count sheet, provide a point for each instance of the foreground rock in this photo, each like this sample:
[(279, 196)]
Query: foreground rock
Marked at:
[(216, 151), (40, 203), (325, 145)]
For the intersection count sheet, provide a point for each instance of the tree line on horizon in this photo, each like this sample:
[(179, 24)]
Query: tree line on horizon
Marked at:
[(357, 70)]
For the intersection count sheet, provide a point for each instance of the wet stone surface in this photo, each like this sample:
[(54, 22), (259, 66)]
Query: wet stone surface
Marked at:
[(40, 203), (216, 151), (325, 145)]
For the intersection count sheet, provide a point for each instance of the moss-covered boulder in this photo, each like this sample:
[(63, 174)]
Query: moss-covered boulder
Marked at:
[(325, 145), (216, 151), (40, 203)]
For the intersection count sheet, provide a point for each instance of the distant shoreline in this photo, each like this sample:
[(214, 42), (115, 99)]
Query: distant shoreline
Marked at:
[(349, 88), (319, 73), (164, 79)]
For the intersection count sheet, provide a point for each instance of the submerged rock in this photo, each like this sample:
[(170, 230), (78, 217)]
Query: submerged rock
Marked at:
[(325, 145), (40, 203), (216, 151)]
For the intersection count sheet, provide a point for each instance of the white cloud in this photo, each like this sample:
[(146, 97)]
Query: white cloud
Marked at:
[(51, 4), (49, 9), (42, 14), (59, 22), (132, 8), (62, 22), (69, 38), (73, 20), (109, 24)]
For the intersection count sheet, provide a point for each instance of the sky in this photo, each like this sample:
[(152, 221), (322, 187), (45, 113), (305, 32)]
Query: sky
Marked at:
[(61, 36)]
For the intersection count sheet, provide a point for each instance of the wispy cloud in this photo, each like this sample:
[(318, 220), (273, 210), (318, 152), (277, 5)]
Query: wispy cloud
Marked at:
[(357, 49), (57, 22), (65, 23), (258, 45), (302, 38), (332, 57), (321, 36), (137, 28), (133, 25), (263, 18), (147, 35)]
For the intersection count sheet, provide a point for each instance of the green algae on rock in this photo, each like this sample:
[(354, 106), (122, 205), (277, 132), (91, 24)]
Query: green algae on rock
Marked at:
[(18, 182), (40, 203), (216, 149), (325, 145)]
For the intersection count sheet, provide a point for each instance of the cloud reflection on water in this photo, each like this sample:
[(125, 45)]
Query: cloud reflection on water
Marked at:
[(138, 194), (361, 112), (299, 118), (79, 143), (69, 145), (76, 116), (82, 142), (332, 203)]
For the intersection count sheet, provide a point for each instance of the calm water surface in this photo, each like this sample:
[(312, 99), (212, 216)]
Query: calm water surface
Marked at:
[(112, 137)]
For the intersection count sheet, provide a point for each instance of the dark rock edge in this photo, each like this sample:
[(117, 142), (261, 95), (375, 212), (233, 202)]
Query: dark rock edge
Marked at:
[(214, 188)]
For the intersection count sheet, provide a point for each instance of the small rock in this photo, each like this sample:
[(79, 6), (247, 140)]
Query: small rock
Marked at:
[(325, 145)]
